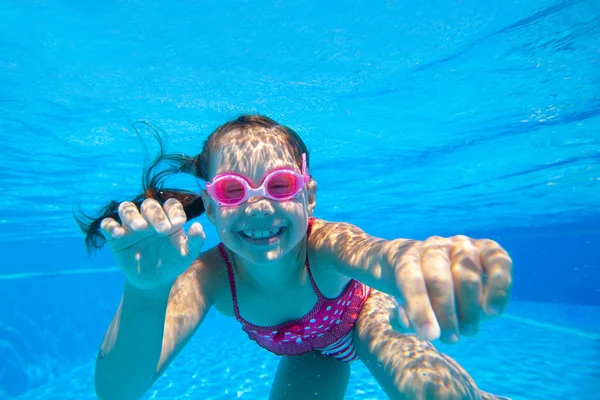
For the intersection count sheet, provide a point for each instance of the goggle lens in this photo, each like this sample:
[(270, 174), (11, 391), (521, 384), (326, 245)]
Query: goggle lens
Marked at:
[(229, 190), (282, 185)]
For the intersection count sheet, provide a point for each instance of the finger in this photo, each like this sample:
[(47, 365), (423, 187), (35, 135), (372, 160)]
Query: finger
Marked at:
[(111, 229), (195, 240), (413, 291), (175, 212), (467, 273), (399, 319), (497, 266), (440, 286), (131, 217), (154, 214)]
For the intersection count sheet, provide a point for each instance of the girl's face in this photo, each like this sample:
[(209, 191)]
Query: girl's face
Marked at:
[(259, 230)]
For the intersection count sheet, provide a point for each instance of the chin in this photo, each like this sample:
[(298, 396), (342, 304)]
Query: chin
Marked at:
[(266, 256)]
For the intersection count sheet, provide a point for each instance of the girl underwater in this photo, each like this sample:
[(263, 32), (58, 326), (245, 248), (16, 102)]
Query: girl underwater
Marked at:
[(319, 294)]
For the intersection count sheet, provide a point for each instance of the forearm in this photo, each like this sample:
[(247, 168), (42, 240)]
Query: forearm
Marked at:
[(373, 262), (360, 256), (131, 349)]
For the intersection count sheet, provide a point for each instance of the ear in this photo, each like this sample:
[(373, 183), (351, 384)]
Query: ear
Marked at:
[(209, 208), (311, 192)]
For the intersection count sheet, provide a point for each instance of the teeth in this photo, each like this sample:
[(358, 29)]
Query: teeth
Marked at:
[(261, 234)]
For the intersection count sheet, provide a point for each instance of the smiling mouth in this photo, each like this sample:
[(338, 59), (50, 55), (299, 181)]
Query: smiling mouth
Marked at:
[(262, 234)]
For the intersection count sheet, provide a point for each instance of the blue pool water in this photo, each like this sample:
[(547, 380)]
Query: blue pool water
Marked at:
[(449, 117)]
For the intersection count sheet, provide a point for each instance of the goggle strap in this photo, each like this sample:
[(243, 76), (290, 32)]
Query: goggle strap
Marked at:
[(304, 169)]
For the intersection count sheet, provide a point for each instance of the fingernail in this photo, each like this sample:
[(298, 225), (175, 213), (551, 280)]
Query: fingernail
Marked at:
[(468, 329), (118, 232), (403, 317), (178, 221), (430, 331), (163, 226), (493, 309), (450, 337), (139, 224)]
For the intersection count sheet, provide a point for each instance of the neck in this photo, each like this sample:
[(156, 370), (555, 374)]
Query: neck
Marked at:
[(273, 274)]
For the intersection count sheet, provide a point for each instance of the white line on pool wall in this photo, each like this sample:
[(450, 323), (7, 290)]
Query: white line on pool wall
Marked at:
[(85, 271), (54, 274)]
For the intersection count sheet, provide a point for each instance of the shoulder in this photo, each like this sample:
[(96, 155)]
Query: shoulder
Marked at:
[(324, 258), (328, 241), (324, 235)]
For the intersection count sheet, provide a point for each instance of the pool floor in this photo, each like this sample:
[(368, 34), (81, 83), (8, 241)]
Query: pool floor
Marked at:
[(536, 351)]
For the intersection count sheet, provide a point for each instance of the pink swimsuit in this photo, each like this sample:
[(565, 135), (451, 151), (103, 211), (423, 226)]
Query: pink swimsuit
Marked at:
[(326, 328)]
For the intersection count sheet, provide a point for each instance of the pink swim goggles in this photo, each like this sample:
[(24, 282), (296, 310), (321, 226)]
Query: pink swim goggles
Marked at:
[(282, 184)]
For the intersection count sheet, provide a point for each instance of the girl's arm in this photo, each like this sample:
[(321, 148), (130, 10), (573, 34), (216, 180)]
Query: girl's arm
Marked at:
[(148, 331), (444, 284), (358, 255)]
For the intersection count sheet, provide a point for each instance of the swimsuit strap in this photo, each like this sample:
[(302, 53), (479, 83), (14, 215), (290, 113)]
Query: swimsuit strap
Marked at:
[(225, 258), (231, 276), (310, 276)]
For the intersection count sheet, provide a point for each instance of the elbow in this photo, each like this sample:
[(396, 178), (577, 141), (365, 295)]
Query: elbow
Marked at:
[(117, 389), (105, 391)]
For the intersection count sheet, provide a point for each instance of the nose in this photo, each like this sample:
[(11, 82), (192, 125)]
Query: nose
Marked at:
[(259, 207)]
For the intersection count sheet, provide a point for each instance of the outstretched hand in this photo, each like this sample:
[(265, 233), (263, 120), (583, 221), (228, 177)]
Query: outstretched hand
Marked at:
[(448, 284), (150, 245)]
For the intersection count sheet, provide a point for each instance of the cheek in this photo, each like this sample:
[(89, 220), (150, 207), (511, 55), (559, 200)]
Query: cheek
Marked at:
[(297, 207), (224, 216), (290, 206), (297, 212), (225, 213)]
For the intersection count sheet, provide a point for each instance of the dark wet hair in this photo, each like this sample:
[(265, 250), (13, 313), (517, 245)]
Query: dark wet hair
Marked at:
[(153, 177)]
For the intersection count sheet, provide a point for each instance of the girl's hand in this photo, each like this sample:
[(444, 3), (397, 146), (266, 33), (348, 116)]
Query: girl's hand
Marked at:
[(150, 245), (447, 284)]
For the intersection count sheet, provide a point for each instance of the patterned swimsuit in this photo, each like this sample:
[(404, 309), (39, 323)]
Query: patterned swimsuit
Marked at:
[(326, 328)]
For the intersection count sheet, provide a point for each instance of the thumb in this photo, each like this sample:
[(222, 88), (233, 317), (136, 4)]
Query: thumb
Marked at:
[(399, 319), (195, 240)]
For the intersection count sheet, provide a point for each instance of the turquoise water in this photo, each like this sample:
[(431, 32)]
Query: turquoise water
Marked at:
[(478, 118), (236, 368)]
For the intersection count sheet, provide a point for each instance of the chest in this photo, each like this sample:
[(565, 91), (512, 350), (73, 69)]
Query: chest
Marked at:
[(275, 307)]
